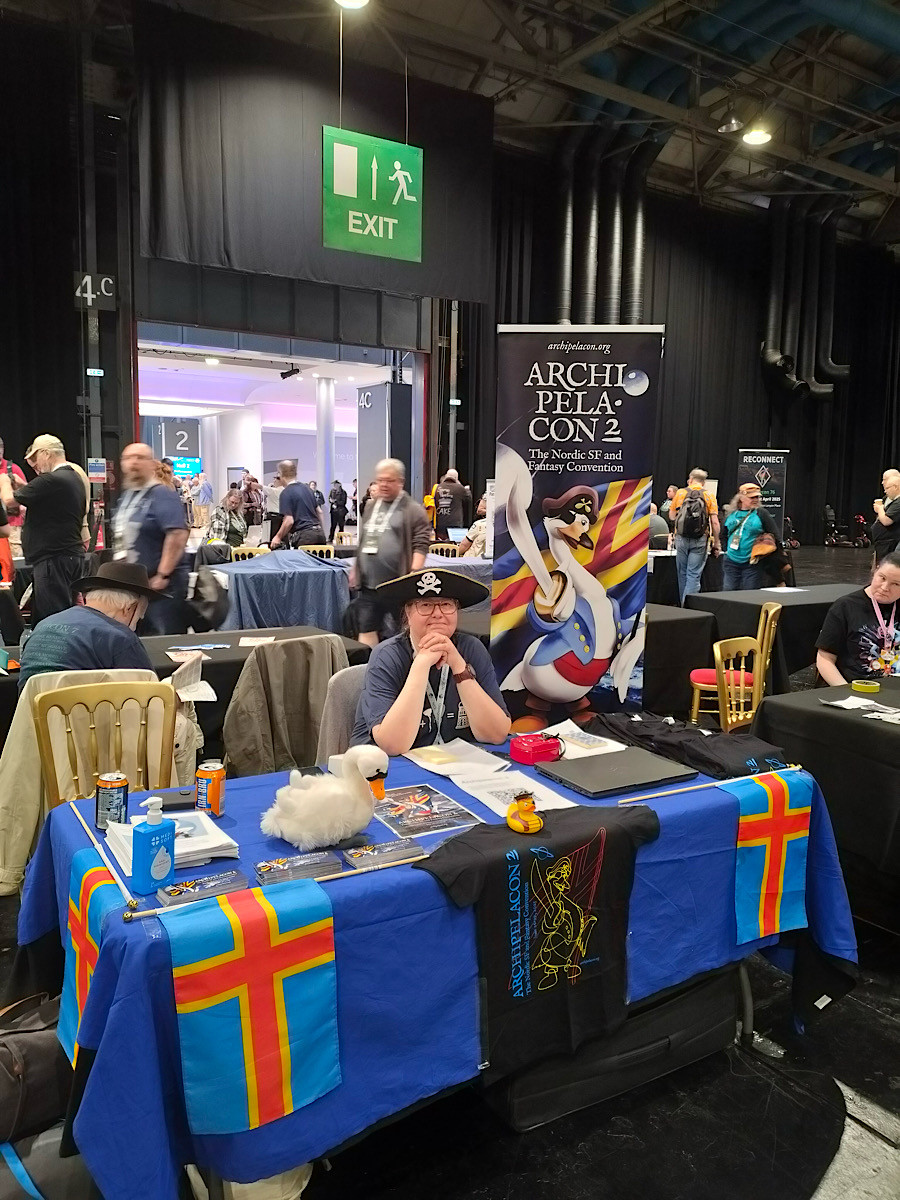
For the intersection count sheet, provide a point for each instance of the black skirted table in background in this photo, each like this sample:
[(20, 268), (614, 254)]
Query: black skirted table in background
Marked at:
[(736, 614), (678, 640), (854, 759), (224, 668)]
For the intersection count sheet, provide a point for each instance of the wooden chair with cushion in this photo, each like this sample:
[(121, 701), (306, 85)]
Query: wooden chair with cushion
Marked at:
[(739, 687), (446, 549), (242, 553), (83, 745), (319, 551), (703, 679)]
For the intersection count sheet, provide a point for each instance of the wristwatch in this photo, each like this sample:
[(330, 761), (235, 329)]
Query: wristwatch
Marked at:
[(464, 674)]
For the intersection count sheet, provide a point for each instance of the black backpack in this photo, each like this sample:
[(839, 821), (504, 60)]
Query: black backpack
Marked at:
[(693, 516)]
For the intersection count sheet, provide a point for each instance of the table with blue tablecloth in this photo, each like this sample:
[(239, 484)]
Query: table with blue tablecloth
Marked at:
[(479, 569), (407, 980), (288, 587)]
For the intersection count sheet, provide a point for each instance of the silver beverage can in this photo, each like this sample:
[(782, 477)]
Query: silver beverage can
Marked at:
[(112, 799)]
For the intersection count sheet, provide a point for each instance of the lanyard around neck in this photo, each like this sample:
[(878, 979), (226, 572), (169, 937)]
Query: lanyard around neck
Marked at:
[(887, 631), (437, 702)]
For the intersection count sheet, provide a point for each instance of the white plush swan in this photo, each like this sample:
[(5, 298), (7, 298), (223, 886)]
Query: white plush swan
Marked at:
[(320, 810)]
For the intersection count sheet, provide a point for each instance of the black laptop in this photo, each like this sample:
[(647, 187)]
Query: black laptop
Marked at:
[(621, 771)]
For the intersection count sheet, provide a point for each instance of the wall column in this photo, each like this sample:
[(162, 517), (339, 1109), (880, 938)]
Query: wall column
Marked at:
[(325, 436)]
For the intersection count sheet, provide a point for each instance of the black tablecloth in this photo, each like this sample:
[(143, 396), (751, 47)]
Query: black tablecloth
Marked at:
[(224, 667), (221, 672), (677, 641), (737, 615), (662, 581), (855, 761)]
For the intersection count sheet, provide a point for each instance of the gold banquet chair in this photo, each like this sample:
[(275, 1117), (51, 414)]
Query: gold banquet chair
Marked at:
[(319, 551), (343, 539), (83, 748), (739, 688), (242, 553), (703, 679), (445, 549)]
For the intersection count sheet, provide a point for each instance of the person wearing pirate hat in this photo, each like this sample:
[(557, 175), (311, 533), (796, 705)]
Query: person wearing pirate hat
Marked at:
[(97, 634), (430, 683)]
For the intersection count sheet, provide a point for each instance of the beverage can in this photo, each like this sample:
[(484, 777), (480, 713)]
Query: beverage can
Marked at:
[(111, 799), (211, 787)]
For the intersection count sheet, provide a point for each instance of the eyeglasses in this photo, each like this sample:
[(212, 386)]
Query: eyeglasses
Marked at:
[(425, 608)]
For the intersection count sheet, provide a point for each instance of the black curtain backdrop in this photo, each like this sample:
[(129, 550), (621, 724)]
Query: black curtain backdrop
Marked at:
[(231, 159), (38, 209), (705, 278)]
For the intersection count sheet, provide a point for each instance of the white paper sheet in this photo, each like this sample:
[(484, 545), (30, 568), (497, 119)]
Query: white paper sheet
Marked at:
[(455, 758), (858, 703), (187, 680), (497, 792), (256, 641), (186, 656), (782, 590)]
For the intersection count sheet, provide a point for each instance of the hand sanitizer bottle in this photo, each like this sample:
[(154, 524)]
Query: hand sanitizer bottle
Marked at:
[(152, 850)]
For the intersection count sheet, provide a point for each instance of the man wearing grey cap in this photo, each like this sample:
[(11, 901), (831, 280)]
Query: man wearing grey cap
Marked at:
[(51, 536)]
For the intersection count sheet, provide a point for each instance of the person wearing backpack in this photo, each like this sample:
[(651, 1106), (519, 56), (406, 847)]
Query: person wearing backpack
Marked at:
[(695, 515)]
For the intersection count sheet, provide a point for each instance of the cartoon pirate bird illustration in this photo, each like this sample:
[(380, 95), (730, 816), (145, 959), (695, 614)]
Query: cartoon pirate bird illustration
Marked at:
[(583, 634)]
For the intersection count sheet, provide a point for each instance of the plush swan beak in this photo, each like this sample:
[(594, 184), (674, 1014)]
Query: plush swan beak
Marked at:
[(376, 783)]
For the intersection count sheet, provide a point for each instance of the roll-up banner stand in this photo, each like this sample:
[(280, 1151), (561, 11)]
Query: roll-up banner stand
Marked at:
[(576, 411), (768, 468)]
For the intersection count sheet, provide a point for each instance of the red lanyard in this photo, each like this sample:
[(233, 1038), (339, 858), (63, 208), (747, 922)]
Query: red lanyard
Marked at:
[(887, 631)]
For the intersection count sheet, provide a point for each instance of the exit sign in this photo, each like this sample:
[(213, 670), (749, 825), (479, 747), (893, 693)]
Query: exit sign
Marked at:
[(371, 195)]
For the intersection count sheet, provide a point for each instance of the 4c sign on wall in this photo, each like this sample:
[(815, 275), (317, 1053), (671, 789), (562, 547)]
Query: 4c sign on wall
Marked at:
[(371, 195)]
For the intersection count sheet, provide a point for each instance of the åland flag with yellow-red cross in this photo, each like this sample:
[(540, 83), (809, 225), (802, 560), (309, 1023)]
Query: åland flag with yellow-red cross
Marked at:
[(256, 1001), (772, 843), (93, 894)]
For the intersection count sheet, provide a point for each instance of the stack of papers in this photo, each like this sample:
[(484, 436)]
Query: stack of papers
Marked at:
[(583, 745), (859, 704), (456, 758), (499, 791), (197, 840), (186, 680)]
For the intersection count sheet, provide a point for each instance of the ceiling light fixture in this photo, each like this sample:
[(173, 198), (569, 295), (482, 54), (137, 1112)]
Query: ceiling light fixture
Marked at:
[(731, 122), (315, 374), (757, 136), (351, 3), (211, 362), (350, 378), (292, 370)]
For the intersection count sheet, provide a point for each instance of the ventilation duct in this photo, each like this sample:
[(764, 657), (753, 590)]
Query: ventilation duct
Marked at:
[(566, 177), (809, 304), (610, 273), (587, 224), (776, 355), (826, 367), (632, 306)]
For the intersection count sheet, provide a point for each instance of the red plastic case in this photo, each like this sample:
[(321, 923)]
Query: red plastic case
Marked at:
[(534, 748)]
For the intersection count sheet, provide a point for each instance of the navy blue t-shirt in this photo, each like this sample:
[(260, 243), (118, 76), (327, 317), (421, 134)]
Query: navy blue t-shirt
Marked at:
[(386, 674), (297, 501), (143, 519), (81, 639)]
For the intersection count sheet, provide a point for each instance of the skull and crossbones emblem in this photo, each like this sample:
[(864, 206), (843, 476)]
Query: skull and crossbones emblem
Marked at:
[(429, 583)]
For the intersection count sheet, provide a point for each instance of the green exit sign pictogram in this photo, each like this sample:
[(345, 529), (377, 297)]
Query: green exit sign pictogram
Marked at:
[(371, 195)]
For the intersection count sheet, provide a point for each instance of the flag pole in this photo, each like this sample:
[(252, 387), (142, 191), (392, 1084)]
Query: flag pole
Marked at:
[(699, 787), (129, 899)]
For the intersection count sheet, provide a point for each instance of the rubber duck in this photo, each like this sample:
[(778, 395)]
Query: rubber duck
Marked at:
[(320, 810), (521, 816)]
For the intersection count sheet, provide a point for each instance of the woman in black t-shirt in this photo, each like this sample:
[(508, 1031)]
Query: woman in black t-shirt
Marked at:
[(860, 637)]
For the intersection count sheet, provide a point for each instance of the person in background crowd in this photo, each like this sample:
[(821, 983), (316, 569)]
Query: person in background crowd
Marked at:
[(273, 500), (254, 500), (164, 474), (430, 683), (184, 487), (354, 503), (695, 516), (659, 530), (53, 530), (314, 488), (667, 504), (450, 504), (301, 516), (886, 526), (15, 478), (7, 570), (860, 638), (746, 521), (98, 634), (393, 539), (228, 523), (473, 544), (337, 502), (233, 486), (201, 498), (371, 494), (150, 529)]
